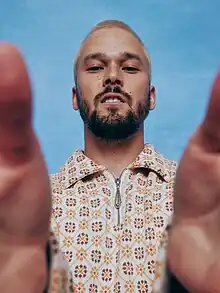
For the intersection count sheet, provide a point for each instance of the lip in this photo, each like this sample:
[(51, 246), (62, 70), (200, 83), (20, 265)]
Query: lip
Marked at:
[(112, 96)]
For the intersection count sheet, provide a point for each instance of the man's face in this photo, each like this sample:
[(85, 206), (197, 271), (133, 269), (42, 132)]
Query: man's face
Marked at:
[(112, 88)]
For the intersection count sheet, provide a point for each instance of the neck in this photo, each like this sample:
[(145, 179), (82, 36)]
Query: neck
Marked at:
[(115, 156)]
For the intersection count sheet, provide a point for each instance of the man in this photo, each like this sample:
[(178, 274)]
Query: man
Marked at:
[(112, 201), (109, 230)]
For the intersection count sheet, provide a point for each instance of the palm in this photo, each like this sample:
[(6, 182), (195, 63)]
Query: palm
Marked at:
[(25, 202), (194, 246), (24, 187)]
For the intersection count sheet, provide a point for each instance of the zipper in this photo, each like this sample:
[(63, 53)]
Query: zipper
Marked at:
[(118, 198)]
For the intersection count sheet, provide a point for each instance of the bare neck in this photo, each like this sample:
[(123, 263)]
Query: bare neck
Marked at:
[(115, 156)]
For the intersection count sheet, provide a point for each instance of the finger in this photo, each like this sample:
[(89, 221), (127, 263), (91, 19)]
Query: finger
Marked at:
[(15, 107), (210, 128)]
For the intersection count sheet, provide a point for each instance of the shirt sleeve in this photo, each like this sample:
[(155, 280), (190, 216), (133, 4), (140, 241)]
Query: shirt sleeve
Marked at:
[(59, 273)]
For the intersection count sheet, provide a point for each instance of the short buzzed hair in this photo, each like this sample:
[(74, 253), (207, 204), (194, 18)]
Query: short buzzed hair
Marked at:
[(112, 24)]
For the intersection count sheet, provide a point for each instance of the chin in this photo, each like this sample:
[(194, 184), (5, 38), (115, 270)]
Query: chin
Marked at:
[(118, 112)]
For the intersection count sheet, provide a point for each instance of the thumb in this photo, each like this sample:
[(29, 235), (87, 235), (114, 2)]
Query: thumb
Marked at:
[(15, 107), (209, 134)]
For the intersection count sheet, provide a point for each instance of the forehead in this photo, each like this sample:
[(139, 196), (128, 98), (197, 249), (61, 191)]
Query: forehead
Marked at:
[(112, 42)]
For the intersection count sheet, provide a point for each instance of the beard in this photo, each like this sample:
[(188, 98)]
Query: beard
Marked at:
[(114, 127)]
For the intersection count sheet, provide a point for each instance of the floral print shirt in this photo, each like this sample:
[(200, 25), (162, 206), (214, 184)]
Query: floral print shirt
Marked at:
[(106, 232)]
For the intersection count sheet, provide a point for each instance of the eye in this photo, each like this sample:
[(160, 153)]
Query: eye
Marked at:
[(95, 68), (130, 69)]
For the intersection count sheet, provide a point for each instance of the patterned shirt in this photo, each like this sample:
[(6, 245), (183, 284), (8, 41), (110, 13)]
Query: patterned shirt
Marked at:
[(107, 231)]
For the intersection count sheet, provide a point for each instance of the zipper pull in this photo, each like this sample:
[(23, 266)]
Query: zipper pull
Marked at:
[(118, 198), (118, 195)]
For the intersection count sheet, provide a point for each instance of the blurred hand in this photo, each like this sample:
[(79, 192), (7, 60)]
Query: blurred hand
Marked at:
[(25, 197), (194, 243)]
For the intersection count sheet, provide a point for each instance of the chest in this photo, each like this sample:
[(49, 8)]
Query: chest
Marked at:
[(89, 216), (113, 245)]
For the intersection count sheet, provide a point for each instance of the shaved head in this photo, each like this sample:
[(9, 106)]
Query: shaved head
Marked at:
[(111, 24)]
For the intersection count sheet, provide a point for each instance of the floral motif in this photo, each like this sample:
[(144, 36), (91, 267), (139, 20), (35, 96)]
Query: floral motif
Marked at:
[(80, 271), (68, 241), (95, 203), (107, 275), (58, 212), (81, 254), (84, 212), (83, 225), (138, 223), (127, 235), (93, 288), (159, 221), (139, 253), (70, 227), (128, 268), (140, 269), (151, 266), (117, 287), (108, 258), (94, 273), (96, 256), (108, 242), (70, 202), (127, 251), (142, 286), (97, 226), (82, 238)]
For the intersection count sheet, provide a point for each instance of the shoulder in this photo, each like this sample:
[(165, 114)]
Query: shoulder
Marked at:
[(58, 179), (159, 162)]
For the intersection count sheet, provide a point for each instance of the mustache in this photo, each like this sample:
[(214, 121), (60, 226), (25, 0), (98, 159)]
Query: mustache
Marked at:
[(113, 89)]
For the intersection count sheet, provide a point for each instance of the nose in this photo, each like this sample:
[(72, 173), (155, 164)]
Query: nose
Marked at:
[(113, 76)]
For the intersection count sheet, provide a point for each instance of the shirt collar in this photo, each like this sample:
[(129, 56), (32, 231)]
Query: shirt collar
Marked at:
[(151, 159), (79, 166)]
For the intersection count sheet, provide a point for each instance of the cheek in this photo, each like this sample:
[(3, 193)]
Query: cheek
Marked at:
[(90, 85), (137, 87), (139, 94)]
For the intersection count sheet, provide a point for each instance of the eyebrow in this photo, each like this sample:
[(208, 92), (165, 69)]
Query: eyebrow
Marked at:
[(101, 56)]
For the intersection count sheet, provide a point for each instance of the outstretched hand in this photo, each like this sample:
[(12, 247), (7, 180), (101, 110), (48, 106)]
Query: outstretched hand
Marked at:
[(25, 197), (194, 242)]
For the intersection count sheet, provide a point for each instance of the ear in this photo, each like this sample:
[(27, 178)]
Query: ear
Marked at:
[(74, 99), (152, 97)]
